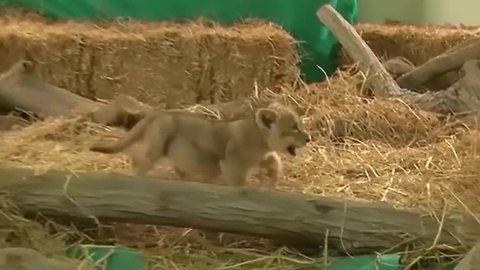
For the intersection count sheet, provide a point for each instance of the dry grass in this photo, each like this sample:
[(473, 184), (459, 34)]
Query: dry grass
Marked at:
[(172, 62), (49, 239), (391, 153), (417, 43)]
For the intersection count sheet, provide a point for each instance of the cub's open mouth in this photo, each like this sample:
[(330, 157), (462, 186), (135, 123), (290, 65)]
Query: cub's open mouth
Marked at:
[(291, 150)]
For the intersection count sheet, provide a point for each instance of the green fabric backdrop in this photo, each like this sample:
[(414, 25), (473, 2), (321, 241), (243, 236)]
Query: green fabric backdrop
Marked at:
[(296, 16)]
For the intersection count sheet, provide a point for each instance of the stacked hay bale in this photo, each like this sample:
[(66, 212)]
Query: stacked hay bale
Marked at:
[(416, 43), (413, 42), (164, 63)]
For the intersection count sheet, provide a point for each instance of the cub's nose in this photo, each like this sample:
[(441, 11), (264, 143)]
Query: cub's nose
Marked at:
[(308, 139)]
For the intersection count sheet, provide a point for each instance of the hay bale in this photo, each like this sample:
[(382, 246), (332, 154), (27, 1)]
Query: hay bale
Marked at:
[(416, 43), (155, 62)]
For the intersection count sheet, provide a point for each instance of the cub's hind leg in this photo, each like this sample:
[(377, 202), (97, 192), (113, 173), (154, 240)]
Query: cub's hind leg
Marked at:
[(143, 160), (146, 154), (179, 172)]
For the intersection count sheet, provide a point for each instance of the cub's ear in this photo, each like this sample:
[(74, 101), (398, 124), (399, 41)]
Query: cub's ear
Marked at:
[(265, 117), (27, 65)]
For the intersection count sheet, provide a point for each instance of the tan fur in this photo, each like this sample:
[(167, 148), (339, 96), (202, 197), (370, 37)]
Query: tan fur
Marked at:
[(273, 166), (213, 148)]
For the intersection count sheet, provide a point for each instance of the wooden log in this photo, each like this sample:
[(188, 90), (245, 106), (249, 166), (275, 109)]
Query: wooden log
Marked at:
[(398, 66), (471, 261), (11, 122), (449, 60), (22, 89), (382, 83), (352, 226), (461, 99)]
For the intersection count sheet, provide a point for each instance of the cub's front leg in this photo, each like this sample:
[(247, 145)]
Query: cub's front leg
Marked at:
[(235, 166), (274, 168)]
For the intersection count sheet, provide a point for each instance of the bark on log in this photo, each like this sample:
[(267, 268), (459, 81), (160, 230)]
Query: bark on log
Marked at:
[(352, 226), (462, 99), (11, 122), (22, 89), (449, 60), (398, 66), (471, 261)]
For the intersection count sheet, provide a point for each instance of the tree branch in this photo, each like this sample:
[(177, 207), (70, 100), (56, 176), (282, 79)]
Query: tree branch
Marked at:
[(382, 83), (449, 60)]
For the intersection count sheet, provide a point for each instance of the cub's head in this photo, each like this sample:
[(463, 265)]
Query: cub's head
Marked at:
[(283, 129)]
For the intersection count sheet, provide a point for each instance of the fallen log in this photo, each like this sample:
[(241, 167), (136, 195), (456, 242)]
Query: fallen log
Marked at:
[(398, 66), (22, 89), (447, 61), (10, 122), (471, 260), (377, 76), (462, 99), (352, 226)]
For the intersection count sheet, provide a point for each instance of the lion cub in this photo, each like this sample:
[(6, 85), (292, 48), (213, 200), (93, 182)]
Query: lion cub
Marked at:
[(213, 148)]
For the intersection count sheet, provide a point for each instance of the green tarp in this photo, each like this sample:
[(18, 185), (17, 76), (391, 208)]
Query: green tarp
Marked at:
[(117, 257), (296, 16), (130, 259)]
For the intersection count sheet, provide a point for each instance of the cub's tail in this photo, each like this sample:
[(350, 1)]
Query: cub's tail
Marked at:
[(132, 136)]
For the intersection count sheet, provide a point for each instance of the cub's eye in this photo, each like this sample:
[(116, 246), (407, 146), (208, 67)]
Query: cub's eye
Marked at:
[(295, 127)]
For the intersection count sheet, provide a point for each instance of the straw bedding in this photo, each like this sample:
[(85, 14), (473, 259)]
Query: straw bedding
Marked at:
[(391, 148), (417, 43), (390, 152)]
